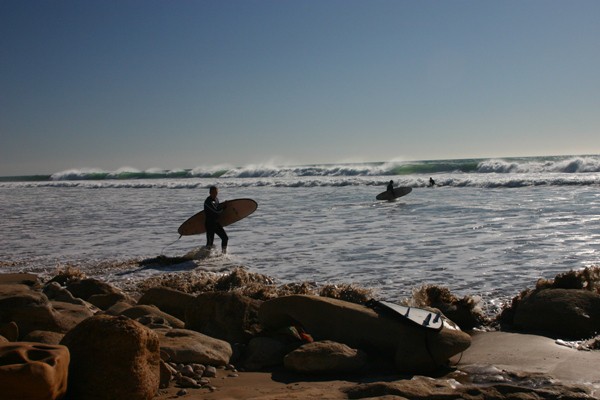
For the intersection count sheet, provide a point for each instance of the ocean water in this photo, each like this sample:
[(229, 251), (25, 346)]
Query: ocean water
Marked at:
[(491, 227)]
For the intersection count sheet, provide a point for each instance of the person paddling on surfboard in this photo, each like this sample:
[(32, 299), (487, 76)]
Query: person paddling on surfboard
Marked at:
[(212, 209)]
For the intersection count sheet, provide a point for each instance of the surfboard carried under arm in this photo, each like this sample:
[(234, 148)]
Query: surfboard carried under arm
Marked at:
[(233, 211), (398, 192)]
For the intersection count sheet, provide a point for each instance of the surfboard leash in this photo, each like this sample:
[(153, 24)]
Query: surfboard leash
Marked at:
[(163, 249)]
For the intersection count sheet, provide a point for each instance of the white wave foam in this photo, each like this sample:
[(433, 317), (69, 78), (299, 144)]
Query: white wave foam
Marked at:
[(489, 180), (76, 174), (583, 164)]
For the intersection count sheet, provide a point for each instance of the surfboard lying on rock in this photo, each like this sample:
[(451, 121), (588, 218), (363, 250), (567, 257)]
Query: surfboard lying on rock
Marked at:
[(233, 211), (398, 192), (419, 316), (413, 347)]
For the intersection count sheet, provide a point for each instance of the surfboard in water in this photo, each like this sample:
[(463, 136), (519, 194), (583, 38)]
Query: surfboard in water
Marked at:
[(233, 211), (398, 192), (419, 316)]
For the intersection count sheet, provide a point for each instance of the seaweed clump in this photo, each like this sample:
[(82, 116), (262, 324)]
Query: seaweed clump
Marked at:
[(253, 285), (465, 312), (587, 278), (67, 274), (239, 279), (347, 292)]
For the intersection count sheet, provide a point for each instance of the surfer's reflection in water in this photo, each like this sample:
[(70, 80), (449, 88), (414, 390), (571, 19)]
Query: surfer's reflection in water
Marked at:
[(212, 209)]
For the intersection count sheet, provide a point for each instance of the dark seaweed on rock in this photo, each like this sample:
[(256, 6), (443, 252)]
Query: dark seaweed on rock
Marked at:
[(585, 279), (465, 312), (347, 292), (253, 285), (67, 274)]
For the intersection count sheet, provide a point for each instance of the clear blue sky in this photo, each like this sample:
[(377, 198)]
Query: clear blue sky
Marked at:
[(180, 84)]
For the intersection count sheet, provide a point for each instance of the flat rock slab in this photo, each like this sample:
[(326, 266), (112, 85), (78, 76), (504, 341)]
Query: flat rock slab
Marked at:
[(532, 353)]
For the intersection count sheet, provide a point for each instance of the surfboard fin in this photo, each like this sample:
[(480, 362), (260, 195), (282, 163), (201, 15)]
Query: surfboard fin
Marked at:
[(426, 321)]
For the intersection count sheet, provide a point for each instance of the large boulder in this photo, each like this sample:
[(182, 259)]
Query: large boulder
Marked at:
[(98, 293), (86, 288), (187, 346), (565, 313), (325, 357), (413, 348), (171, 301), (27, 279), (33, 371), (31, 310), (227, 316), (113, 358), (54, 291), (70, 314)]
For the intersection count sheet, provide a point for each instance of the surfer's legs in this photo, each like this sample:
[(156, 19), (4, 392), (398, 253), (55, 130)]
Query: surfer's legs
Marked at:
[(210, 236), (224, 238)]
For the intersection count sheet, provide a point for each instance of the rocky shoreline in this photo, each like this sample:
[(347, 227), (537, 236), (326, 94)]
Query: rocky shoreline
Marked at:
[(239, 335)]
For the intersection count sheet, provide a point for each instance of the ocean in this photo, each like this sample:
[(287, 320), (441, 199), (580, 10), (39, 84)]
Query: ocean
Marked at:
[(489, 228)]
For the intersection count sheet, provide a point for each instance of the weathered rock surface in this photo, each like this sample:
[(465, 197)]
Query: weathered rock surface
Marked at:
[(423, 388), (98, 293), (138, 311), (10, 331), (113, 358), (187, 346), (171, 301), (414, 349), (45, 337), (563, 313), (117, 308), (325, 357), (54, 291), (227, 316), (33, 371), (26, 279), (85, 288)]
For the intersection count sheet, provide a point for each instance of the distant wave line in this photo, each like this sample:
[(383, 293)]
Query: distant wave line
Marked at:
[(556, 164)]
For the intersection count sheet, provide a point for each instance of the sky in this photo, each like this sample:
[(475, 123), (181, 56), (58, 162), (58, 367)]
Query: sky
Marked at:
[(184, 84)]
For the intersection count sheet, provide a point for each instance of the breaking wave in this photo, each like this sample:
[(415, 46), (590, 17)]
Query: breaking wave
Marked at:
[(506, 172)]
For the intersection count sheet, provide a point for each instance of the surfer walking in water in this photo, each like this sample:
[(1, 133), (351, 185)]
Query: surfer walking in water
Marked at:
[(390, 187), (431, 182), (212, 209)]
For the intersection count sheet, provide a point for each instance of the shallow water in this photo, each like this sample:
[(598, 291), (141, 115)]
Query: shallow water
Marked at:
[(474, 240)]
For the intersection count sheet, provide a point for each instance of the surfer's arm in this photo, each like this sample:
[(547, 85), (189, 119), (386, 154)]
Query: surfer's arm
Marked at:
[(211, 207)]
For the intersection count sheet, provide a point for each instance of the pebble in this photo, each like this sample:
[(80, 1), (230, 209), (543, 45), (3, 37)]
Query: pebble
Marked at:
[(188, 371), (188, 382), (210, 372)]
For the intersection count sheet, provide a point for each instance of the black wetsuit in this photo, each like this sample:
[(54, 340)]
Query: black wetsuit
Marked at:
[(212, 209)]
